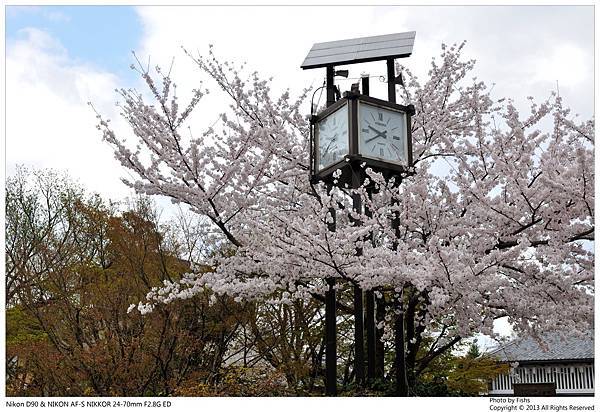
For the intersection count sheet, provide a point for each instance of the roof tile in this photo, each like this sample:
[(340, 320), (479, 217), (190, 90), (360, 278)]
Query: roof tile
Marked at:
[(557, 347)]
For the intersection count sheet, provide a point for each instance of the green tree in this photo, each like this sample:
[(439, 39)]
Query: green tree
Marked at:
[(68, 327), (459, 375)]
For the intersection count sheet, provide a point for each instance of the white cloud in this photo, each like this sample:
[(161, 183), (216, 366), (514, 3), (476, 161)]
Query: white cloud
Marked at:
[(523, 50), (272, 40), (53, 15), (57, 16), (567, 63), (48, 121)]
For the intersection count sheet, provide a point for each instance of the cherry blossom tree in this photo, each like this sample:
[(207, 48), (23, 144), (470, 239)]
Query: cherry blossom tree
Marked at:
[(497, 220)]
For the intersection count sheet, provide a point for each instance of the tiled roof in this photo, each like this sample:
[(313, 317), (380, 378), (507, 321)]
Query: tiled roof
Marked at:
[(558, 347)]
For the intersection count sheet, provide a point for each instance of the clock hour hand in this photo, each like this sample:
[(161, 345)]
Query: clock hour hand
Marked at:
[(382, 134)]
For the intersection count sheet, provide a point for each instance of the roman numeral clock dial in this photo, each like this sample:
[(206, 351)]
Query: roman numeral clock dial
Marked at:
[(332, 136), (382, 133)]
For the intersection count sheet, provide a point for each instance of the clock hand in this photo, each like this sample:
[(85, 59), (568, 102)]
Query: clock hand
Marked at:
[(375, 130), (382, 134), (333, 139)]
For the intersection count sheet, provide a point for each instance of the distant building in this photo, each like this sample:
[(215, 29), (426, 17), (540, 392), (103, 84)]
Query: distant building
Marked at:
[(565, 367)]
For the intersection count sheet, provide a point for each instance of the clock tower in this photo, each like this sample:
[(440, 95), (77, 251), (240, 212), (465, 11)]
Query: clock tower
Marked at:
[(350, 134)]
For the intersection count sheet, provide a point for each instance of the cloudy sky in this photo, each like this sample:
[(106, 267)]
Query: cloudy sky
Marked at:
[(59, 58)]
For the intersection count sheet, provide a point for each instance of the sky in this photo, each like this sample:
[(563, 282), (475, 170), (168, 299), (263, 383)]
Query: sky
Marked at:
[(59, 58)]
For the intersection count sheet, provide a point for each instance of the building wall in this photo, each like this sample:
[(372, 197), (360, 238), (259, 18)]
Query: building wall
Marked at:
[(570, 379)]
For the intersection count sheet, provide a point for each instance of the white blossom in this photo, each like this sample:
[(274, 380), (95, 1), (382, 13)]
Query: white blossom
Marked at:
[(506, 232)]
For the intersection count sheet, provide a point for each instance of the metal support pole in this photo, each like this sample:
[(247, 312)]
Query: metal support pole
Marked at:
[(379, 346), (359, 339), (330, 326), (330, 86), (370, 326), (369, 294), (400, 356), (330, 299), (370, 307), (330, 340), (391, 80), (399, 361)]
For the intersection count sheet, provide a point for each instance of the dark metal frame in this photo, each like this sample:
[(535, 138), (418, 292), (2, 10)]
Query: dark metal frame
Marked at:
[(349, 162)]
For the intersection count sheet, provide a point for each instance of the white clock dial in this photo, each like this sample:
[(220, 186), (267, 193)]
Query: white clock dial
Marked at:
[(382, 133), (332, 137)]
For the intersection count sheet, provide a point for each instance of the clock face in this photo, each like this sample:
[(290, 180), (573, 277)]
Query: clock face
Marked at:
[(332, 138), (382, 134)]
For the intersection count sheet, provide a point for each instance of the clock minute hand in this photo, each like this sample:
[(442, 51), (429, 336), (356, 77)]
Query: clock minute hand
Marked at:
[(382, 134)]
